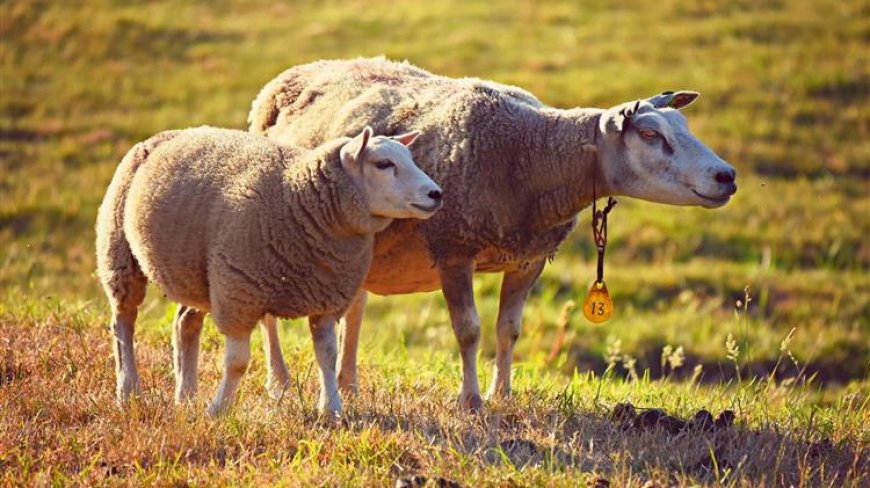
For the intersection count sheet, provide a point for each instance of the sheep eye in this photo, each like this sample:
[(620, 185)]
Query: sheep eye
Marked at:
[(385, 164), (649, 134)]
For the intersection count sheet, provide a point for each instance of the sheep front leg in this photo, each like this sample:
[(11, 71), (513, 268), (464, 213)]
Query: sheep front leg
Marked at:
[(326, 351), (277, 376), (186, 330), (515, 289), (347, 376), (457, 286), (236, 358)]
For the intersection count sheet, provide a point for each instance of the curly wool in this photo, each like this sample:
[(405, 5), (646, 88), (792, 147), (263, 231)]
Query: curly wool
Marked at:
[(515, 173), (236, 224)]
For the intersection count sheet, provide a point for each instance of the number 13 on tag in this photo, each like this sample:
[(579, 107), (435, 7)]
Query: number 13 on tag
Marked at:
[(598, 307)]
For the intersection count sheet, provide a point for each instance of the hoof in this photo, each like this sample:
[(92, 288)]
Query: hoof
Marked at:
[(125, 396), (126, 389), (183, 397), (277, 382), (276, 391), (499, 394), (473, 403), (328, 408), (329, 415), (214, 410), (348, 387)]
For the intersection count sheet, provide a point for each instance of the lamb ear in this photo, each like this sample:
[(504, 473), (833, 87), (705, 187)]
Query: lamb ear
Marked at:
[(675, 100), (366, 135), (407, 138)]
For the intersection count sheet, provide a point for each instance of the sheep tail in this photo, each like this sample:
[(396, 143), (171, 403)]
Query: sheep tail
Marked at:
[(117, 268)]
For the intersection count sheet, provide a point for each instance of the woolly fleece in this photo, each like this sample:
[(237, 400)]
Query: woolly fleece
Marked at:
[(515, 173), (233, 223)]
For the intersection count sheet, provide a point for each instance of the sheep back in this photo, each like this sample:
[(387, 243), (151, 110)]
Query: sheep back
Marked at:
[(216, 215), (477, 140)]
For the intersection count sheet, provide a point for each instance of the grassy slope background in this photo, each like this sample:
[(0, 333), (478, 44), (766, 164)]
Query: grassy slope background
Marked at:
[(784, 98)]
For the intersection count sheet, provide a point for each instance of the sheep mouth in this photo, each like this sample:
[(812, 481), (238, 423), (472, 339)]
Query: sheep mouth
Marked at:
[(430, 209), (719, 200)]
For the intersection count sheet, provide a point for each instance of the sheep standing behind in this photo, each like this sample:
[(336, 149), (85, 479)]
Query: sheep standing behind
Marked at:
[(237, 225), (517, 172)]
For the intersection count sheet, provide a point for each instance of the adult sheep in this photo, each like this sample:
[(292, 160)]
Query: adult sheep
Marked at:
[(515, 172), (240, 226)]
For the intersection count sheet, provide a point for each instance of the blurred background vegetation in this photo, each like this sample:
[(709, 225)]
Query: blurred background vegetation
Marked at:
[(785, 97)]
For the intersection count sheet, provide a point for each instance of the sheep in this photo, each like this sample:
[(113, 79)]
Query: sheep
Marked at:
[(240, 226), (516, 171)]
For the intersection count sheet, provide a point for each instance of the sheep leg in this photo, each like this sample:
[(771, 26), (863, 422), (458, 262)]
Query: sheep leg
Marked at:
[(277, 376), (326, 351), (126, 375), (125, 287), (347, 376), (457, 286), (515, 287), (236, 358), (185, 347)]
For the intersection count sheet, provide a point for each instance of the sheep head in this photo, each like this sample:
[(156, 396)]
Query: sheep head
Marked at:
[(648, 152), (383, 170)]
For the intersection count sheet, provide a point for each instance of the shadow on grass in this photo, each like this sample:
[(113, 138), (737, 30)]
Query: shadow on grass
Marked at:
[(849, 364), (597, 444)]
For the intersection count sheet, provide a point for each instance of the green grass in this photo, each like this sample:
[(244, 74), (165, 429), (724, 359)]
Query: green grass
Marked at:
[(784, 97)]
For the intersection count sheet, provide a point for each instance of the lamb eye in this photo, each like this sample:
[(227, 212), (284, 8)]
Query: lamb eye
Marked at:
[(385, 164), (649, 134)]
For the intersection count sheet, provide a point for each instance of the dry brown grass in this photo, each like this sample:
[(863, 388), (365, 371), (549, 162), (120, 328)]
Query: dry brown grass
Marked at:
[(60, 425)]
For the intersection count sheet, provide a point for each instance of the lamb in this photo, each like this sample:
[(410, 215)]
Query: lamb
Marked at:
[(240, 226), (517, 173)]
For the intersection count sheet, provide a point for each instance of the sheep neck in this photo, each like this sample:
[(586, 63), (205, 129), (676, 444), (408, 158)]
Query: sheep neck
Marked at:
[(562, 156), (321, 191)]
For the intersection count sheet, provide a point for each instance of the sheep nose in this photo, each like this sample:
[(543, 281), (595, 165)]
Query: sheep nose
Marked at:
[(725, 176), (435, 195)]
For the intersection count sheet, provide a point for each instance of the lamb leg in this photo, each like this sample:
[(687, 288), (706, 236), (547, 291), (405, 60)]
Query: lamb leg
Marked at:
[(185, 348), (326, 351), (347, 375), (236, 358), (127, 377), (277, 376)]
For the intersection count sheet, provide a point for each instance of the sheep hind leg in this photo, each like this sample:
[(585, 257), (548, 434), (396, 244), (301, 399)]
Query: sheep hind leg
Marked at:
[(126, 292), (236, 358), (126, 375), (347, 372), (186, 331), (457, 286), (515, 289), (326, 351), (277, 376)]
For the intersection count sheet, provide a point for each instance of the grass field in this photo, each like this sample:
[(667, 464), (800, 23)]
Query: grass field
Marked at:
[(762, 307)]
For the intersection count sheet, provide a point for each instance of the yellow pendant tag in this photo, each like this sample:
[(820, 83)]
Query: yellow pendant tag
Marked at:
[(598, 307)]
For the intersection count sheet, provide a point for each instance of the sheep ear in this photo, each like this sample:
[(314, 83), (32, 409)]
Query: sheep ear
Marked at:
[(366, 135), (408, 138), (675, 100), (612, 121), (616, 119)]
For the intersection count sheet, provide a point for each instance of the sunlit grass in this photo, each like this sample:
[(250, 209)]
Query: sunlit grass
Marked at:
[(61, 425), (784, 97)]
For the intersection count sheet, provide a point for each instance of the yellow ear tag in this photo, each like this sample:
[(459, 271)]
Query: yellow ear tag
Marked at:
[(598, 307)]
